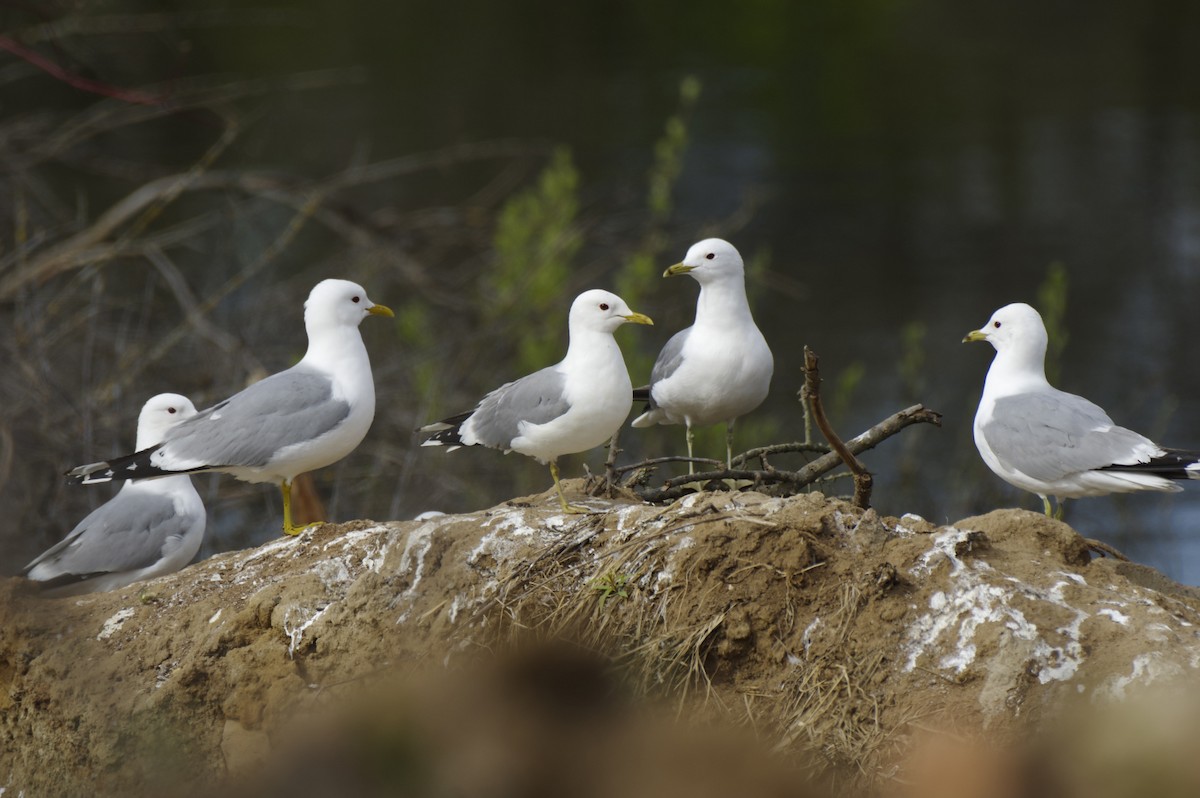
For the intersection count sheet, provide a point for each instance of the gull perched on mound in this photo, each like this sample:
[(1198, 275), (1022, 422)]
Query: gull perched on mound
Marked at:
[(572, 406), (719, 368), (1054, 443), (150, 528), (298, 420)]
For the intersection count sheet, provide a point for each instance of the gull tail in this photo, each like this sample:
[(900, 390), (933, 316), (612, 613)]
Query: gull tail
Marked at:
[(650, 415), (130, 466), (1171, 464), (446, 432)]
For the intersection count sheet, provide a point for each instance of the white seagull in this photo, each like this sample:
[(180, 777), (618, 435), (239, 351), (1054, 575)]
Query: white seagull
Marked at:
[(719, 368), (150, 528), (298, 420), (1054, 443), (572, 406)]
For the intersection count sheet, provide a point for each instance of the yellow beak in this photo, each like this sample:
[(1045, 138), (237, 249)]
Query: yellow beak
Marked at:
[(381, 310), (974, 335), (638, 318), (677, 269)]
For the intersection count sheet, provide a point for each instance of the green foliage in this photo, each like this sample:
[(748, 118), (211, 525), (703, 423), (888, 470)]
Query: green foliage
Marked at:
[(537, 238), (912, 360), (843, 391), (669, 151), (1052, 304), (642, 269), (414, 329), (609, 585)]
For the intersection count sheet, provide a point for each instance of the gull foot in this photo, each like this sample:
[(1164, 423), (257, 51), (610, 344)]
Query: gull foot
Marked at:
[(294, 530)]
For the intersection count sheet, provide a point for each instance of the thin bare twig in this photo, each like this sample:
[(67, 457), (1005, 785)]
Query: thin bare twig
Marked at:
[(795, 480), (779, 448), (666, 459), (610, 472), (810, 394), (75, 80)]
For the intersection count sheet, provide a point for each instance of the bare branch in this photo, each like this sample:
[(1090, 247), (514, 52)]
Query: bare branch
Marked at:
[(796, 480), (810, 394), (667, 459)]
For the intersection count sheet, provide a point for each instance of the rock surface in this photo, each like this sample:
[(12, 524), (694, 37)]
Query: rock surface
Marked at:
[(831, 632)]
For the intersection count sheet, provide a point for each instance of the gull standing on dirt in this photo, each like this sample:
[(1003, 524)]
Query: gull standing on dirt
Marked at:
[(298, 420), (574, 405), (1054, 443), (719, 368), (150, 528)]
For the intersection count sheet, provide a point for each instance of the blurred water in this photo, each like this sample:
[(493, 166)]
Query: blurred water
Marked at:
[(898, 162)]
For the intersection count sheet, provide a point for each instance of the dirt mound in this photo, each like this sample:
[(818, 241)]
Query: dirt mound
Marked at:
[(832, 634)]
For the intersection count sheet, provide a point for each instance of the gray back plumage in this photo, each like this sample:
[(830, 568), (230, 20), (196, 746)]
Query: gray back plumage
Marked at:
[(537, 398), (250, 427), (1050, 435), (124, 534), (669, 359)]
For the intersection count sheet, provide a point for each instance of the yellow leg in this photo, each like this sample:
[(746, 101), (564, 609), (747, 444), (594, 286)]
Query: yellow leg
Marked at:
[(734, 484), (691, 465), (729, 445), (562, 499), (1046, 506), (288, 527), (1062, 509)]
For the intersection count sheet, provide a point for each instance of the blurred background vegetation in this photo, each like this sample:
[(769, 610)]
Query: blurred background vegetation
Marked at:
[(175, 176)]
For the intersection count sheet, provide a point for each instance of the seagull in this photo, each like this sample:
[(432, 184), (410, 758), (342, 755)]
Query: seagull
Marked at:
[(151, 527), (298, 420), (572, 406), (1054, 443), (719, 368)]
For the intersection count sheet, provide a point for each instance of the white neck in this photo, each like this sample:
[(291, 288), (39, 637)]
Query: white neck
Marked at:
[(589, 346), (332, 347), (722, 302), (1018, 371)]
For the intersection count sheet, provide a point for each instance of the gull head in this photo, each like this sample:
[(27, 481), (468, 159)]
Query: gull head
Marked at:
[(339, 303), (1015, 329), (602, 310), (710, 260), (159, 414)]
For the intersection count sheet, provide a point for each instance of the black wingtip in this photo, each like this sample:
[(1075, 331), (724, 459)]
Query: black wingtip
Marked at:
[(119, 469), (445, 432), (1173, 464)]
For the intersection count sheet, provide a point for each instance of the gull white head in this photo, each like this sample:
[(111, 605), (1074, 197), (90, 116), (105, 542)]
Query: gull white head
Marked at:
[(1016, 329), (339, 303), (710, 260), (158, 415), (601, 311)]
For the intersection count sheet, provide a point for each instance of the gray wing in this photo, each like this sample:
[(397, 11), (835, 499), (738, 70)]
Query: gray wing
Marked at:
[(669, 360), (126, 533), (248, 428), (537, 398), (1050, 435)]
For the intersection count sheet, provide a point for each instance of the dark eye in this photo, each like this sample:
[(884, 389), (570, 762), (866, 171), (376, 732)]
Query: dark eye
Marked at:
[(604, 306), (996, 324), (170, 410), (354, 299), (710, 256)]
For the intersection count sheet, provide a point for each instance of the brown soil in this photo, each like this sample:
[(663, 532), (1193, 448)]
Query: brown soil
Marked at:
[(833, 638)]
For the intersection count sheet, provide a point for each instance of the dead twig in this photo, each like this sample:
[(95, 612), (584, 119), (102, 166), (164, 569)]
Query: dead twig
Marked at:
[(667, 459), (796, 480), (1100, 547), (810, 394)]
